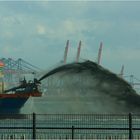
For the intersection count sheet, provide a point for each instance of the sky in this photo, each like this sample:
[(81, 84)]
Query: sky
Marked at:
[(37, 31)]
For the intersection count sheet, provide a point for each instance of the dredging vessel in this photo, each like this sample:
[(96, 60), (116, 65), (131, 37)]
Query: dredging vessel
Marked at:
[(12, 100)]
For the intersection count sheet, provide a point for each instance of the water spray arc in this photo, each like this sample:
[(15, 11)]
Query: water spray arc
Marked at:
[(103, 90)]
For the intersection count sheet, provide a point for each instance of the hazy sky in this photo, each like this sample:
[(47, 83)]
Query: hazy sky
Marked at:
[(37, 31)]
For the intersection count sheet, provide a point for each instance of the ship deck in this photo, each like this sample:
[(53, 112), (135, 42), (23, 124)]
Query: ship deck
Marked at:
[(20, 95)]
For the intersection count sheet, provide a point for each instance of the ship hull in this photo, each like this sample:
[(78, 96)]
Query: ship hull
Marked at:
[(11, 105)]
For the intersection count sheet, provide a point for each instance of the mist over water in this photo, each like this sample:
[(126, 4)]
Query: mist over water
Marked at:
[(85, 88)]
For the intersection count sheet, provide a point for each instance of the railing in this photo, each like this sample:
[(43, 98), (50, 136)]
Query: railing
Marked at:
[(70, 126)]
